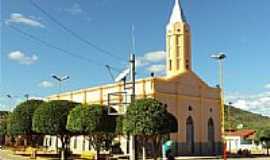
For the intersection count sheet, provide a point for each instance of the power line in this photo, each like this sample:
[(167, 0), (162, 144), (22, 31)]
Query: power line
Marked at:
[(77, 36), (49, 45)]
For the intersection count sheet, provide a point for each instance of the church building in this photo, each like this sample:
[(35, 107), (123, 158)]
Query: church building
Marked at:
[(195, 104)]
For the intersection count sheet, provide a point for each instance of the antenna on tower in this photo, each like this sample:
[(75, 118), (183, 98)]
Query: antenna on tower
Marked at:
[(133, 39)]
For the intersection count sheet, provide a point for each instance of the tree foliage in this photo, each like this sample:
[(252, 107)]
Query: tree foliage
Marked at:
[(265, 139), (149, 119), (20, 121), (94, 122), (3, 123), (51, 119)]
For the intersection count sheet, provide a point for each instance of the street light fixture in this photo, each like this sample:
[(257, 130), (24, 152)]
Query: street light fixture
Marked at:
[(60, 80), (12, 97), (219, 57)]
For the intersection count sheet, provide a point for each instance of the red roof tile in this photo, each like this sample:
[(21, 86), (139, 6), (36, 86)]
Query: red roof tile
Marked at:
[(245, 133)]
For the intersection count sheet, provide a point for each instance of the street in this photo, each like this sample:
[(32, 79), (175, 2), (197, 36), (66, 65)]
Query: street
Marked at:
[(7, 155)]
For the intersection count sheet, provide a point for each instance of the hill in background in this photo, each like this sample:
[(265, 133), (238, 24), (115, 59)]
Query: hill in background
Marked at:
[(247, 119)]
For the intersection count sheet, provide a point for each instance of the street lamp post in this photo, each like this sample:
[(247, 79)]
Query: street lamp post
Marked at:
[(26, 96), (219, 57), (60, 80), (10, 96)]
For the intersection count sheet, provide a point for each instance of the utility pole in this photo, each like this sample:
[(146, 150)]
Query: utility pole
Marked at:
[(132, 141)]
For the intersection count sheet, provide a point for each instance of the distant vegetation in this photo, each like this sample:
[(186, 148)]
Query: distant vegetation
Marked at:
[(247, 119)]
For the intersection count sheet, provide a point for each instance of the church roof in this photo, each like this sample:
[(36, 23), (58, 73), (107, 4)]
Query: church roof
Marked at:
[(177, 13)]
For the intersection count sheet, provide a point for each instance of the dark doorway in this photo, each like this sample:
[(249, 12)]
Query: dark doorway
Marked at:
[(190, 135), (211, 136)]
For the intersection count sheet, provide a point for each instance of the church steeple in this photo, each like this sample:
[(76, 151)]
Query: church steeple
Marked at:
[(177, 14), (178, 43)]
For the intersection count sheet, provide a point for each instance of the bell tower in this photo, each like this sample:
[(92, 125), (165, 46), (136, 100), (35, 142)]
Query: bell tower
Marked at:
[(178, 43)]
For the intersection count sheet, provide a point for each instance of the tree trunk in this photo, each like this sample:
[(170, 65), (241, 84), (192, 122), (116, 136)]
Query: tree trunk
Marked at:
[(25, 141), (156, 143), (154, 149), (98, 154), (63, 154), (63, 148), (143, 150)]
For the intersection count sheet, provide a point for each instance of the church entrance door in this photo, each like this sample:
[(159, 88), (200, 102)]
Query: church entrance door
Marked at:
[(190, 135), (211, 136)]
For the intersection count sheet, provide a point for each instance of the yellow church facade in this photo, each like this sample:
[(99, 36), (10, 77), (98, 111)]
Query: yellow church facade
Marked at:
[(195, 104)]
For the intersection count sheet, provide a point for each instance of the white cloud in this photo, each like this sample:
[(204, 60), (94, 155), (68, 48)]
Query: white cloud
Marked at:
[(21, 58), (46, 84), (151, 57), (156, 56), (257, 103), (19, 18), (267, 86), (140, 62), (156, 68), (75, 9), (2, 106), (38, 98)]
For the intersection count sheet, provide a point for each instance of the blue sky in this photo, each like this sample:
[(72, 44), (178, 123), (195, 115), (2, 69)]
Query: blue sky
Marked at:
[(238, 28)]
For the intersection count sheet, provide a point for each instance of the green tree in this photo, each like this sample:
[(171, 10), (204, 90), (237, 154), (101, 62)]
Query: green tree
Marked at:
[(94, 122), (3, 125), (51, 119), (20, 120), (149, 120), (265, 139)]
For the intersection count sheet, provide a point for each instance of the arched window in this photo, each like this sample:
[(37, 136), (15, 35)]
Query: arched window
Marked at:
[(189, 108), (190, 135), (211, 136)]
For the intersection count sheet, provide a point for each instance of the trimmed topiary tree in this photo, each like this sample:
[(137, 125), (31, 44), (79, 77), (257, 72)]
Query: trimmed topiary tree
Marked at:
[(20, 120), (51, 119), (93, 122), (149, 120)]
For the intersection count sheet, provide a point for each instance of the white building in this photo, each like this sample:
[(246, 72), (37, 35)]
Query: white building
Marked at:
[(241, 140)]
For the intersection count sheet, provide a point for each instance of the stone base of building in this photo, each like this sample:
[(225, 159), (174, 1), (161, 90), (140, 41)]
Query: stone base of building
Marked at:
[(199, 149)]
